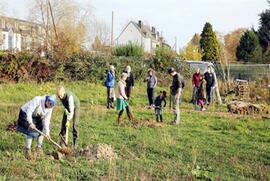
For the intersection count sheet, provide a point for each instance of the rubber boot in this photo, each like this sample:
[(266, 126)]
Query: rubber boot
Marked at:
[(119, 119), (161, 119), (75, 143), (112, 106), (130, 116)]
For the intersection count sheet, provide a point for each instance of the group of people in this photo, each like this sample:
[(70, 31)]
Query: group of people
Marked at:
[(125, 85), (35, 117), (203, 86)]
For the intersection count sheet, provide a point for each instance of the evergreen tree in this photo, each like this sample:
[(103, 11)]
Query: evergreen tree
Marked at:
[(249, 48), (209, 44), (264, 29)]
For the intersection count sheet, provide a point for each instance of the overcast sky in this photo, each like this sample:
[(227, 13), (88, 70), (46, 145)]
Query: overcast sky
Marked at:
[(174, 18)]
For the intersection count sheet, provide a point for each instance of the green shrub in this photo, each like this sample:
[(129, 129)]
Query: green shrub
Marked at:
[(128, 50)]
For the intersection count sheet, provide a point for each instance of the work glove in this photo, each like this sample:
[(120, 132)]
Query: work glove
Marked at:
[(68, 124), (66, 112), (48, 136), (32, 126)]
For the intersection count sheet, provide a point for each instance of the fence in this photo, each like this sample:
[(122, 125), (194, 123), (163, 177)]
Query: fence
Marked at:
[(249, 72)]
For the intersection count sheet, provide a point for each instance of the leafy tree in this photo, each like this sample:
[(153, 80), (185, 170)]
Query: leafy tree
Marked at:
[(231, 41), (209, 44), (264, 29), (249, 48), (192, 50)]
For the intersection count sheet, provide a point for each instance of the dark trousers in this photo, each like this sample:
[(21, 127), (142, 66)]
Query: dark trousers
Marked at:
[(75, 123), (110, 98), (121, 112), (150, 94), (208, 94), (128, 91)]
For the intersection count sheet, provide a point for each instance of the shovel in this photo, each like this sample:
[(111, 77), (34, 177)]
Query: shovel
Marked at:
[(49, 139), (61, 149)]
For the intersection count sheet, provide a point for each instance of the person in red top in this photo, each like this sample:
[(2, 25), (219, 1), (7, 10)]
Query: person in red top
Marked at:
[(196, 84)]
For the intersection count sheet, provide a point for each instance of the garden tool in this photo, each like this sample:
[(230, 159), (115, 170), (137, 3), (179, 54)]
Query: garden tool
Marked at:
[(64, 150)]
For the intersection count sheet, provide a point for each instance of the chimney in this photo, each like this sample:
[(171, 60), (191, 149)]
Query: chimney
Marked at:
[(140, 24), (153, 29)]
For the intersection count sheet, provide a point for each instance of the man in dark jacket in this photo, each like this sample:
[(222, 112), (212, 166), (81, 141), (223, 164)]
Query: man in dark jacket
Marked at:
[(210, 83), (176, 90), (129, 81), (71, 113)]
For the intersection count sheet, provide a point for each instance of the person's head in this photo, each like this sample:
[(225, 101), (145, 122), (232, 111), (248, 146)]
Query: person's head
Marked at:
[(50, 101), (201, 77), (209, 68), (124, 76), (128, 69), (61, 92), (198, 70), (112, 68), (163, 94), (150, 72), (171, 71)]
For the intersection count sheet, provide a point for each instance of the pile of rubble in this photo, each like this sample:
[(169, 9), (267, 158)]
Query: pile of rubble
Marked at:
[(245, 108), (98, 152)]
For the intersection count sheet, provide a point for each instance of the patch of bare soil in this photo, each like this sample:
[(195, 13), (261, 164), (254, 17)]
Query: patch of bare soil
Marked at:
[(146, 123), (98, 152), (12, 127)]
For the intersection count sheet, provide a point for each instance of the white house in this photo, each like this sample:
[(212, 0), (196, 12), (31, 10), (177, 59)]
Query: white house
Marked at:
[(19, 35), (142, 35)]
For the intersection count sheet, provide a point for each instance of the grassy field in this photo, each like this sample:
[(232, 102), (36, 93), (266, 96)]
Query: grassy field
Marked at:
[(212, 145)]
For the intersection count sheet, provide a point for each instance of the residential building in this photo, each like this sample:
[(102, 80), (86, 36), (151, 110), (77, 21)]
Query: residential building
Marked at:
[(147, 37), (18, 35)]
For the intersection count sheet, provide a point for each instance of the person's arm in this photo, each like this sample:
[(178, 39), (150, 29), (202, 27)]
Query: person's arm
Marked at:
[(164, 102), (31, 108), (193, 79), (46, 122), (179, 86), (122, 91), (132, 80), (155, 79), (71, 107)]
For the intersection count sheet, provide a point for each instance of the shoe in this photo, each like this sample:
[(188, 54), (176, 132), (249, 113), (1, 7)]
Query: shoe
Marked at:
[(28, 154)]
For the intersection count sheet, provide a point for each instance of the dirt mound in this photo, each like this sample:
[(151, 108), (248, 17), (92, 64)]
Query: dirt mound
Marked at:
[(12, 127), (98, 152), (246, 108)]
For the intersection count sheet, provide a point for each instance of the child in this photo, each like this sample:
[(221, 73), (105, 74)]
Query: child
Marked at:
[(158, 105), (201, 94)]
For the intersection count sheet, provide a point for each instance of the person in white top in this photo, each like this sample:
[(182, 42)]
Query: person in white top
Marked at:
[(35, 114)]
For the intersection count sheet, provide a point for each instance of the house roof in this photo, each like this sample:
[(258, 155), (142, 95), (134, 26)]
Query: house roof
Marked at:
[(145, 31)]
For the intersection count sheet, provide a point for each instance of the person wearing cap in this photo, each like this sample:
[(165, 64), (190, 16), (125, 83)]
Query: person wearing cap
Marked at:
[(110, 82), (196, 79), (122, 99), (129, 81), (71, 113), (151, 80), (35, 114), (176, 90)]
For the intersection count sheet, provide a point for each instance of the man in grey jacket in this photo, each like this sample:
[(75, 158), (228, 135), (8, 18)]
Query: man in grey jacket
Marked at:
[(35, 114)]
